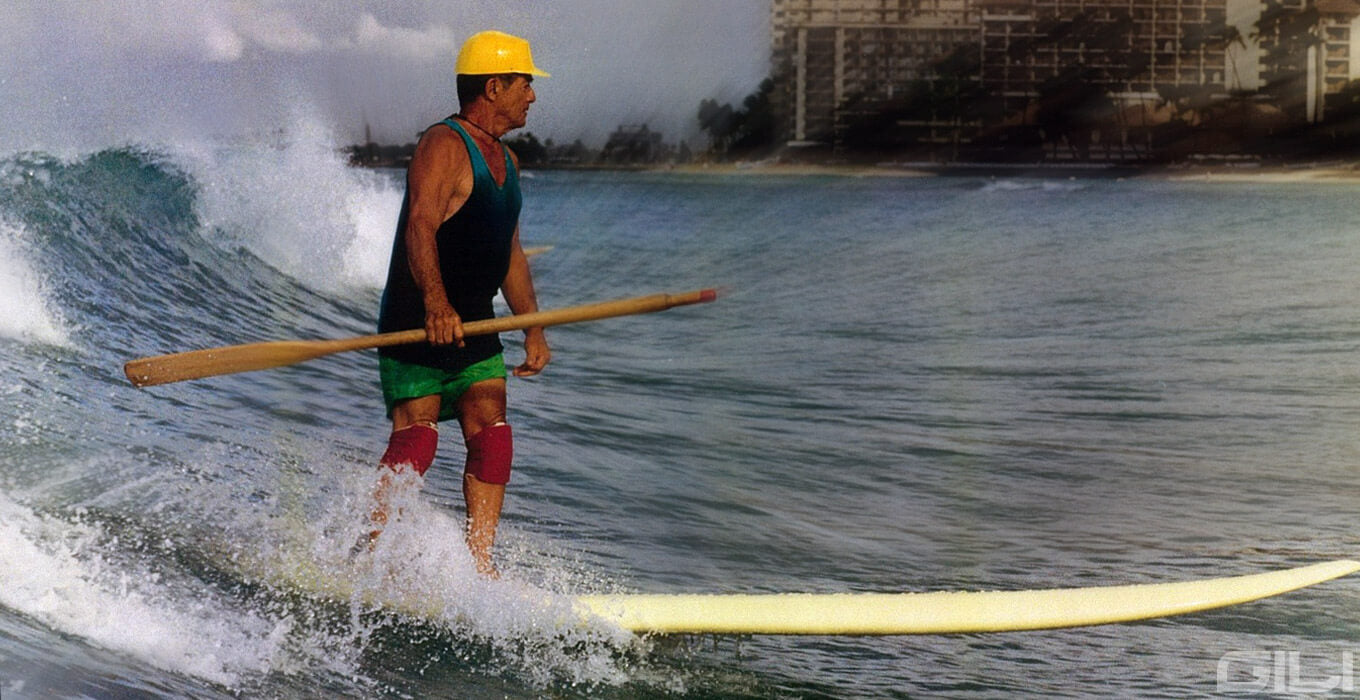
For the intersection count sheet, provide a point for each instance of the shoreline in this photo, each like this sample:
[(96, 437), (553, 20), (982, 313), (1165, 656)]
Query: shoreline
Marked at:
[(1331, 172), (1340, 172), (1337, 171)]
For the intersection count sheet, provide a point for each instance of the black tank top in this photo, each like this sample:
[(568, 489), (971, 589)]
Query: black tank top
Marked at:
[(474, 255)]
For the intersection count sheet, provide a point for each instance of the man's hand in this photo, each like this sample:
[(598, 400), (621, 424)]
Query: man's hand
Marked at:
[(442, 324), (536, 353)]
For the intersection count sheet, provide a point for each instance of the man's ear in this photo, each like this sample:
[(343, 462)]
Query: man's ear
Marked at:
[(493, 88)]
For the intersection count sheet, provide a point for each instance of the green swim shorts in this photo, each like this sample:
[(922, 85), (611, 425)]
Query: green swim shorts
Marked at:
[(403, 380)]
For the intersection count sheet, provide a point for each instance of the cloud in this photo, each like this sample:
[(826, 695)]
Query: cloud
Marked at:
[(273, 29), (220, 43), (75, 73), (430, 43), (152, 30)]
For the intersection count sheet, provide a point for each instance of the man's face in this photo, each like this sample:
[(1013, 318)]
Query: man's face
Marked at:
[(514, 99)]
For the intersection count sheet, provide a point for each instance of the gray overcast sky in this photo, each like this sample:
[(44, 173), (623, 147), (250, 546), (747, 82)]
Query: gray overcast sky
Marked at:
[(82, 74)]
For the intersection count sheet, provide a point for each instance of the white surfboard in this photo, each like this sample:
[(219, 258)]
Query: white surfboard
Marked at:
[(942, 612)]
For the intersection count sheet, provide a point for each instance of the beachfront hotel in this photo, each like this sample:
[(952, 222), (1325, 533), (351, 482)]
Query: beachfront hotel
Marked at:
[(836, 62), (831, 54)]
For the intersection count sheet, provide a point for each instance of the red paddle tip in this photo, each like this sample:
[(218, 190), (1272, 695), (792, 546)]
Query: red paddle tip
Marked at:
[(708, 295)]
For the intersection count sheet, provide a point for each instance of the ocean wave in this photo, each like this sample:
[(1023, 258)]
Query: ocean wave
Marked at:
[(191, 244), (25, 312), (58, 572), (298, 206), (1036, 185)]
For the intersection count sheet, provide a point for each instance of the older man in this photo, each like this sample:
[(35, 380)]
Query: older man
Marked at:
[(457, 243)]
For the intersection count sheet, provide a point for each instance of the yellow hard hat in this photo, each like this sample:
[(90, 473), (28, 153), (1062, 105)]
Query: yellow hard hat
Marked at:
[(493, 53)]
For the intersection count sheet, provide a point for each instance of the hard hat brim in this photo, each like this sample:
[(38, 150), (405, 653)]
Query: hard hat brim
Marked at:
[(532, 71)]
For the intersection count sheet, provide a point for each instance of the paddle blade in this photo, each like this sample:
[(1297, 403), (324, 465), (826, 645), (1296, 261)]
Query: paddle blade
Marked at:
[(197, 364)]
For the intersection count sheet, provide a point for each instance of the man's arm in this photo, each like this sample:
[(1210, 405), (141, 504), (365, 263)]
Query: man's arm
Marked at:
[(518, 289), (439, 181)]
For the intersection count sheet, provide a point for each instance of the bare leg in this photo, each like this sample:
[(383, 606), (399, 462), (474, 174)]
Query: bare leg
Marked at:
[(482, 406), (484, 503), (405, 414)]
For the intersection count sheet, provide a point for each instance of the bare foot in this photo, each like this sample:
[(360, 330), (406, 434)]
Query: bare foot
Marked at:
[(488, 570), (377, 517), (365, 543)]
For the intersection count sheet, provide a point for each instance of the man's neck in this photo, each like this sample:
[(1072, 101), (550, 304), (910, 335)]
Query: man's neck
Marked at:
[(484, 122)]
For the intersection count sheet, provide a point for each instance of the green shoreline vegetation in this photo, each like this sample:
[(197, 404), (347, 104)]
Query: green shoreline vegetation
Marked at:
[(1198, 139)]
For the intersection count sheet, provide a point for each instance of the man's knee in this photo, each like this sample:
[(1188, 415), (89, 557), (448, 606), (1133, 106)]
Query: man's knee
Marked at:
[(482, 405), (413, 446), (489, 454)]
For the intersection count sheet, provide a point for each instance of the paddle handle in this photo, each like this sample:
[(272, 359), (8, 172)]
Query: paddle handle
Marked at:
[(196, 364), (553, 317)]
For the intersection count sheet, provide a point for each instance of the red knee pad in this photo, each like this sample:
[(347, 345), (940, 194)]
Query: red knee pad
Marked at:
[(412, 446), (489, 454)]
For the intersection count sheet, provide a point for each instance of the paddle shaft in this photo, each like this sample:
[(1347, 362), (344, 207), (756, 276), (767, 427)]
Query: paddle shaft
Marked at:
[(196, 364)]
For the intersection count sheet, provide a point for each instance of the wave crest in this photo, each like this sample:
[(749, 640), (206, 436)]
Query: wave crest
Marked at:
[(298, 206), (25, 313)]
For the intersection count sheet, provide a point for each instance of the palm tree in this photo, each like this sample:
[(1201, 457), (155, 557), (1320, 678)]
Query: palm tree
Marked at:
[(1232, 35), (1288, 34)]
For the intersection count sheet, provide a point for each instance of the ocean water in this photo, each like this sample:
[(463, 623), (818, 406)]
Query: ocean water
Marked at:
[(908, 384)]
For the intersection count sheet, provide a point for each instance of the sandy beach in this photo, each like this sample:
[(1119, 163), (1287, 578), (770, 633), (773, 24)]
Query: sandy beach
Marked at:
[(1347, 172), (798, 169)]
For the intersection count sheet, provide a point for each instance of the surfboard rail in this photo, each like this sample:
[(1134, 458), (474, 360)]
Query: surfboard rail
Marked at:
[(942, 612)]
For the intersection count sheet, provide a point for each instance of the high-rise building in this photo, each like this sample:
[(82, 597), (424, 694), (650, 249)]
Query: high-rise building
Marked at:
[(1310, 50), (833, 57), (1131, 48), (837, 61)]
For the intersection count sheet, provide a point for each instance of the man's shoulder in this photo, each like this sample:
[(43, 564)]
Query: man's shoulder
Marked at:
[(440, 135), (441, 145)]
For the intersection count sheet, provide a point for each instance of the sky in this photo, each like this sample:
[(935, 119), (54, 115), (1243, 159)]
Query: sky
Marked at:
[(86, 74)]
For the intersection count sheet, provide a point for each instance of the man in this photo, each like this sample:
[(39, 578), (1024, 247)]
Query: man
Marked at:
[(457, 243)]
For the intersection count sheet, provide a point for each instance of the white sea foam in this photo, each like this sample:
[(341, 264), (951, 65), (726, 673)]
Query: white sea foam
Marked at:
[(282, 525), (1012, 185), (420, 568), (25, 312), (53, 571), (293, 201)]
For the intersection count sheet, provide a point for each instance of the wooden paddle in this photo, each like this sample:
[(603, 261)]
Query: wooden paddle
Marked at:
[(164, 369)]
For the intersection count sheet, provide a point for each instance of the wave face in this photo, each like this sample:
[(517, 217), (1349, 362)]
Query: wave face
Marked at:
[(910, 384), (150, 522)]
